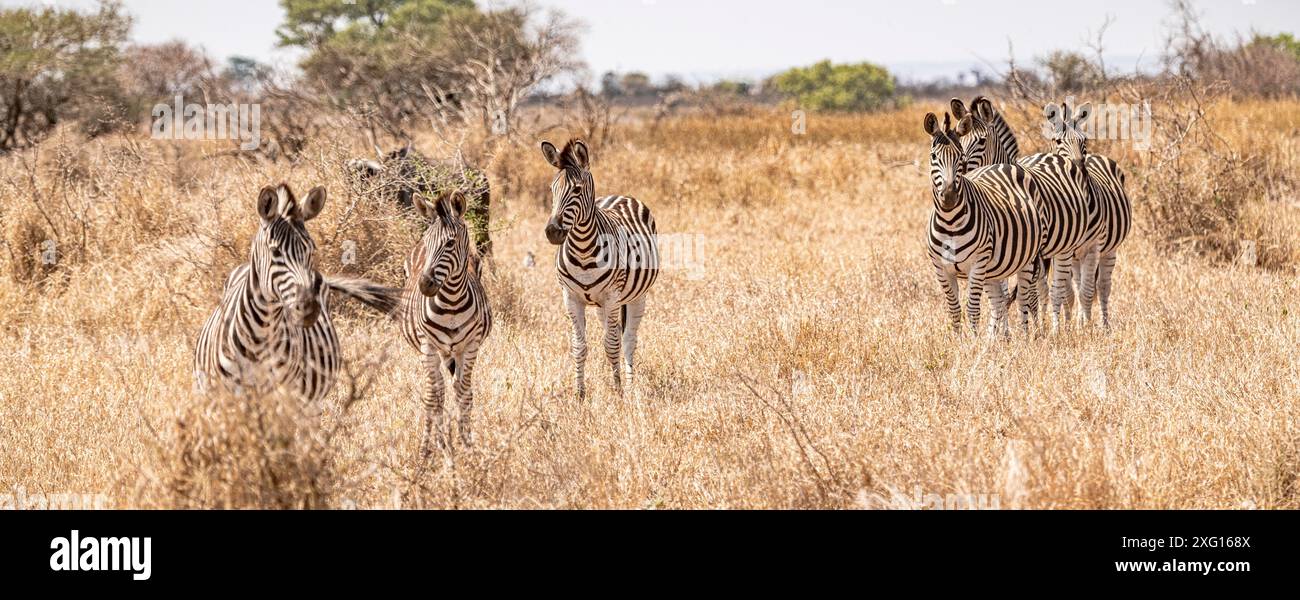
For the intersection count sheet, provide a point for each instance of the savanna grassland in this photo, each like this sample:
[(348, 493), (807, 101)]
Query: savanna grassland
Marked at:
[(808, 364)]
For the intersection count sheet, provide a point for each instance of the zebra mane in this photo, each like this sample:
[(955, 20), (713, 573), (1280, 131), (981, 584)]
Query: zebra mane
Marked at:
[(574, 154)]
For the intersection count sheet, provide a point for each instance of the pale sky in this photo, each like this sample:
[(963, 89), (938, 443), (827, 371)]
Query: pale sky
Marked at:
[(705, 39)]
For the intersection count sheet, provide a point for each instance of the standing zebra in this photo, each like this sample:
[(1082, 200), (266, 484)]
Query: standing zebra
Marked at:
[(446, 311), (1094, 260), (1106, 188), (984, 227), (608, 258), (272, 329), (1070, 221)]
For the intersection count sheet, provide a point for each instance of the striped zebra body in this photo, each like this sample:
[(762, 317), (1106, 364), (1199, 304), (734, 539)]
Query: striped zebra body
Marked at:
[(1071, 217), (1106, 184), (446, 315), (985, 226), (250, 344), (272, 329), (608, 258), (1106, 190)]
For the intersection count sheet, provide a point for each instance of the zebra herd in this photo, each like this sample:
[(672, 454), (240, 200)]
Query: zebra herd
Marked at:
[(998, 218), (1001, 217), (272, 330)]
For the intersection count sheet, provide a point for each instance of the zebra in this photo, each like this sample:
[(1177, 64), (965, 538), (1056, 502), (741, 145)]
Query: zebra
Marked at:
[(446, 315), (1106, 188), (984, 226), (1105, 192), (272, 329), (1070, 220), (406, 173), (608, 258)]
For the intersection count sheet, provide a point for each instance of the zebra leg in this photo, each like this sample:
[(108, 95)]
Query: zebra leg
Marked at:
[(1104, 271), (998, 306), (1087, 278), (635, 311), (1062, 294), (434, 418), (1029, 277), (464, 373), (948, 281), (1043, 275), (975, 289), (611, 314), (578, 345)]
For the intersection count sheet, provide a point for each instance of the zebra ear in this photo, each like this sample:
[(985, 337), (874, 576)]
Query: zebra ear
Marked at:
[(958, 109), (931, 124), (313, 204), (963, 126), (422, 207), (456, 200), (268, 203), (983, 108), (1081, 113), (552, 155), (578, 153)]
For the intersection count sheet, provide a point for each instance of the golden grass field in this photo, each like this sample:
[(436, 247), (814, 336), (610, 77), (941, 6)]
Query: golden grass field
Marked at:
[(809, 365)]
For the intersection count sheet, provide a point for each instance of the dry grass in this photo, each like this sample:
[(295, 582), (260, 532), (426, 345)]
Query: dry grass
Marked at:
[(811, 366)]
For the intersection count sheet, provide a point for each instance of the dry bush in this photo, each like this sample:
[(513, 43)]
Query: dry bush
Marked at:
[(255, 451)]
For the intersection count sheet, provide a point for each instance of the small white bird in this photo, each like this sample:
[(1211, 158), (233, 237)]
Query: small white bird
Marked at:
[(529, 261)]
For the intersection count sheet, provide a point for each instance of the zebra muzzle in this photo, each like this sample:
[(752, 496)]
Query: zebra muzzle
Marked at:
[(555, 234), (309, 311), (428, 286)]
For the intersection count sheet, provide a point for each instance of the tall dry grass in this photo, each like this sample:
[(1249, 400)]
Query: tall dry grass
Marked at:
[(810, 366)]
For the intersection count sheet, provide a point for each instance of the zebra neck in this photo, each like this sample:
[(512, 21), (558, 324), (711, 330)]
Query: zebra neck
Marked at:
[(584, 238), (268, 319), (453, 290)]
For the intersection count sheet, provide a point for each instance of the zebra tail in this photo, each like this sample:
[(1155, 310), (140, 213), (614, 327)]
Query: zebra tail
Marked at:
[(381, 298), (622, 326)]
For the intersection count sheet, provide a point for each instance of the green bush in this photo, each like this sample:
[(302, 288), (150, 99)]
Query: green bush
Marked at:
[(845, 87)]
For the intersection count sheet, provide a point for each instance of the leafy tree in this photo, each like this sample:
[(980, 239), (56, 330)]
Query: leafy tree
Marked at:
[(1070, 71), (636, 84), (358, 52), (844, 87), (58, 64), (1285, 42), (405, 61)]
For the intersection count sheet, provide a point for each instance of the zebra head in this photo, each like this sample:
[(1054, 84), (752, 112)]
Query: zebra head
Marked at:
[(1070, 140), (443, 253), (573, 195), (948, 160), (973, 143), (284, 255)]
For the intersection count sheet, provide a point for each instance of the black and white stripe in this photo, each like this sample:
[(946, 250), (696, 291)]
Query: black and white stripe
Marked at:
[(984, 228), (1109, 216), (608, 258), (446, 313), (1070, 220), (272, 329), (1106, 187)]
